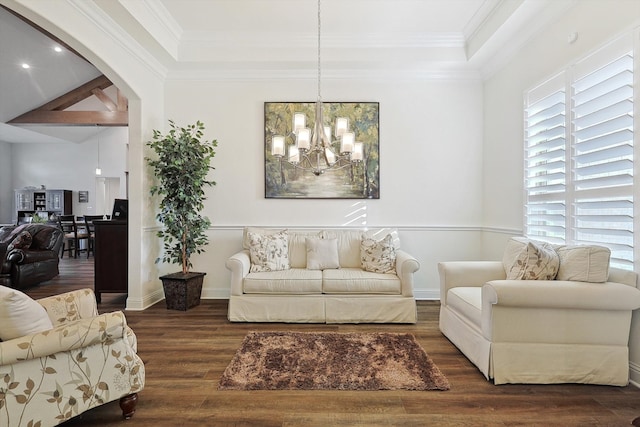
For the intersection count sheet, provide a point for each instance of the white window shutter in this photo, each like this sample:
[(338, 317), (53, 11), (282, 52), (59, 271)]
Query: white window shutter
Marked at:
[(579, 159)]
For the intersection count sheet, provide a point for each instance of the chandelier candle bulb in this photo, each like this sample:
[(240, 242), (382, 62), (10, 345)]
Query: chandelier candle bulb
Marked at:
[(357, 152), (331, 157), (277, 145), (294, 154), (304, 139), (299, 122), (342, 125), (346, 145)]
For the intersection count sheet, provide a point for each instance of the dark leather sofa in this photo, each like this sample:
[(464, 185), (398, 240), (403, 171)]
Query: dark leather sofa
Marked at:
[(27, 263)]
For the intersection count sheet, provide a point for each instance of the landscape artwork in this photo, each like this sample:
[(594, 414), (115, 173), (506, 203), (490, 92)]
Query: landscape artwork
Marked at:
[(334, 172)]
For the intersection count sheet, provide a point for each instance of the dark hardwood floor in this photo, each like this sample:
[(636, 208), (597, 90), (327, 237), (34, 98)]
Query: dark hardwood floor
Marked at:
[(185, 354)]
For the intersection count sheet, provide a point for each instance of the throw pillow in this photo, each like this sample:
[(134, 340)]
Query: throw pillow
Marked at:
[(514, 246), (378, 256), (246, 244), (584, 263), (21, 241), (20, 315), (322, 254), (269, 252), (536, 261)]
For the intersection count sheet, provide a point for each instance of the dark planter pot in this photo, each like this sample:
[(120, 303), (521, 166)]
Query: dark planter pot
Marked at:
[(182, 291)]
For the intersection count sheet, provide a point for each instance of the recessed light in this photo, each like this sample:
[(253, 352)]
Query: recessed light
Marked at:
[(25, 66), (57, 49)]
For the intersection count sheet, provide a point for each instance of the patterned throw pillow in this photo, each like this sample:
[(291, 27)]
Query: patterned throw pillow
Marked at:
[(21, 241), (269, 252), (537, 261), (378, 256)]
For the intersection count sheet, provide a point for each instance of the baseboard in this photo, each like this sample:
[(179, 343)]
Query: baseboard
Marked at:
[(634, 374), (215, 293), (136, 304), (427, 294)]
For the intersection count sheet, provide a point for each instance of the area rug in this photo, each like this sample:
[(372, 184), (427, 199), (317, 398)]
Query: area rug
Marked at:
[(331, 361)]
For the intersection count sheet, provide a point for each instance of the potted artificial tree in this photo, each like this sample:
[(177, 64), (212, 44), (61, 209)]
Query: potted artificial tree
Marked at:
[(181, 168)]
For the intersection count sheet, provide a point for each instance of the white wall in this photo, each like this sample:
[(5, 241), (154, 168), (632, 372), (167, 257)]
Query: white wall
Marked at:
[(71, 166), (596, 23), (6, 192), (430, 166)]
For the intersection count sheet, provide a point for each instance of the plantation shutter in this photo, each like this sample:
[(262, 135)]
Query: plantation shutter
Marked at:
[(603, 151), (545, 161), (579, 154)]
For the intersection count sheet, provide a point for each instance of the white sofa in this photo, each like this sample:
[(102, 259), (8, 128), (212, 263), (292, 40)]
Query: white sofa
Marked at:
[(323, 293), (567, 330)]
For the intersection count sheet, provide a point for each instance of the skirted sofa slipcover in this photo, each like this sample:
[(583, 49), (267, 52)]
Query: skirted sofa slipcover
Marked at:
[(79, 360), (322, 276), (570, 328)]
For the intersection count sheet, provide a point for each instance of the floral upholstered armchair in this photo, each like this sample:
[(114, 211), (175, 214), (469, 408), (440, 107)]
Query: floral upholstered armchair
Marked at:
[(60, 358)]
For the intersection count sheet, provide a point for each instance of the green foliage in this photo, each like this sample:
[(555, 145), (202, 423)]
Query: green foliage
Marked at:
[(182, 165)]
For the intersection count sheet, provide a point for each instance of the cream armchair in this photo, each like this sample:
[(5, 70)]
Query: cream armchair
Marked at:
[(571, 329), (86, 360)]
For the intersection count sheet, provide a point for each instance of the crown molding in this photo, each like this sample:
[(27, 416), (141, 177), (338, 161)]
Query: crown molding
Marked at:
[(105, 23), (259, 73), (157, 21)]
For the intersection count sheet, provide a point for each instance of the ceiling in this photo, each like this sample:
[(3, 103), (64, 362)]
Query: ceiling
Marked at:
[(273, 38)]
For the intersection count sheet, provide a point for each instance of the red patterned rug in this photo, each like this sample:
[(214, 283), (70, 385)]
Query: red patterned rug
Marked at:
[(331, 361)]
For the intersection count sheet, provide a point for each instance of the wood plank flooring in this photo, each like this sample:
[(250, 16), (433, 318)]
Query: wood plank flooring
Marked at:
[(185, 354)]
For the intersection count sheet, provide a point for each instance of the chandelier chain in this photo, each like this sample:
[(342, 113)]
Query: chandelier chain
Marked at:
[(319, 68)]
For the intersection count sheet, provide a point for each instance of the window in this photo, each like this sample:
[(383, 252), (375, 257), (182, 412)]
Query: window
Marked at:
[(579, 154)]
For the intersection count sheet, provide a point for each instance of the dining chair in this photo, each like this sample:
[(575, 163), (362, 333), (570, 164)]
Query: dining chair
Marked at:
[(72, 235), (88, 223)]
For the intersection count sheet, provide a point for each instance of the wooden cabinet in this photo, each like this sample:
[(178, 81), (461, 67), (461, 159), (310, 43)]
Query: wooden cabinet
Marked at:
[(111, 257), (24, 200), (45, 203), (59, 201)]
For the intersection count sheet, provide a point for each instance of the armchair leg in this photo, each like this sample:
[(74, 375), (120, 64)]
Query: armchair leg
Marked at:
[(128, 405)]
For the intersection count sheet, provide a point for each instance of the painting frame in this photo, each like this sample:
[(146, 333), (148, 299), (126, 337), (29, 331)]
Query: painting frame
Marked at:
[(353, 180)]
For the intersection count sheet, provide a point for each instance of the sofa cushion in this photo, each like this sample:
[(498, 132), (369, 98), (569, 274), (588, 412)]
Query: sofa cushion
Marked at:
[(322, 254), (584, 263), (357, 281), (298, 247), (295, 281), (467, 301), (269, 252), (20, 315), (21, 241), (348, 246), (536, 261), (378, 256)]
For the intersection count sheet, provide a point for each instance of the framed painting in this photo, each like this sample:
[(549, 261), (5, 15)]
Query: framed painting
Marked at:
[(344, 163)]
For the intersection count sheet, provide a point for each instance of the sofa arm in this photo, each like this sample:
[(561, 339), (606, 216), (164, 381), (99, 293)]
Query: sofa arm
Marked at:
[(70, 306), (560, 294), (102, 329), (467, 274), (406, 265), (29, 256), (239, 264)]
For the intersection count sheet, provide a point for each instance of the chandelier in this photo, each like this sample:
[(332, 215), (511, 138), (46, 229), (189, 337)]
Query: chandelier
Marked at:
[(316, 150)]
